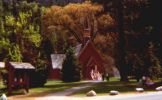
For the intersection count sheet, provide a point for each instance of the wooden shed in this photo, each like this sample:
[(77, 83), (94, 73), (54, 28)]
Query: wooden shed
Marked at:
[(18, 75)]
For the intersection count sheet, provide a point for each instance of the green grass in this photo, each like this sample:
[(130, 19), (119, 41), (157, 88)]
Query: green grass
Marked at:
[(101, 88), (2, 87), (104, 88), (51, 86), (55, 86)]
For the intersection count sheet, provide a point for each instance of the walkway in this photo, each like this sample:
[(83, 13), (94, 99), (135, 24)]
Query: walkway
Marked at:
[(58, 95), (73, 90)]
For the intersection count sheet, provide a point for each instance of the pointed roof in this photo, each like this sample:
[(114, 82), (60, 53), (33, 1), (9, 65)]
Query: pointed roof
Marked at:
[(57, 59), (90, 44), (78, 48), (21, 65)]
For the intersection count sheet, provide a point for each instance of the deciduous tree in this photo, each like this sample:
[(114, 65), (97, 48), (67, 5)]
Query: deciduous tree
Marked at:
[(71, 20)]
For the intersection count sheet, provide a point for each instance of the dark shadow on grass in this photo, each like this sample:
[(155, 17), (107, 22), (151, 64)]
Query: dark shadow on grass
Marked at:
[(122, 87), (106, 87)]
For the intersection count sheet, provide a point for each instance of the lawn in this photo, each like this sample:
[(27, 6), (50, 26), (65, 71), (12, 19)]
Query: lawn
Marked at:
[(51, 86), (2, 87), (54, 86), (104, 88), (101, 88)]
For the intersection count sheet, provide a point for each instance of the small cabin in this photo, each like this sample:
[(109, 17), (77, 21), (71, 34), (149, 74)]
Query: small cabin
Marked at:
[(18, 75)]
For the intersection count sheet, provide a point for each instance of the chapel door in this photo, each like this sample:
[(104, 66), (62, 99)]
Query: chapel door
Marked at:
[(87, 71)]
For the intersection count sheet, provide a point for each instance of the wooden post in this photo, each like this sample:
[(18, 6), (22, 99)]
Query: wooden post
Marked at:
[(26, 78), (10, 80)]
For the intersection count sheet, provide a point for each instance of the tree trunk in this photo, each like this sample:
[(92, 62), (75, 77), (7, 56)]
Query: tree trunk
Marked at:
[(121, 45)]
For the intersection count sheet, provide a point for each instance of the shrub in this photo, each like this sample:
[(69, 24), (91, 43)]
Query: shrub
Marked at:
[(39, 77), (71, 70)]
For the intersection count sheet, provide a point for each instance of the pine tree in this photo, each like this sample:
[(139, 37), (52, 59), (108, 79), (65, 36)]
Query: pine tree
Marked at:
[(152, 62), (71, 70)]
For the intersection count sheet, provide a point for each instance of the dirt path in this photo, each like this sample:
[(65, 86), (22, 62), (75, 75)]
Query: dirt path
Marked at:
[(71, 91)]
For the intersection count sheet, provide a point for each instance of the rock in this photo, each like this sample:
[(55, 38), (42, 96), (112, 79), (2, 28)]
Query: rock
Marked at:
[(159, 88), (113, 92), (3, 97), (139, 89), (91, 93)]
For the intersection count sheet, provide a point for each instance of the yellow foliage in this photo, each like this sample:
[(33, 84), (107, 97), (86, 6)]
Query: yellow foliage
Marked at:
[(74, 18)]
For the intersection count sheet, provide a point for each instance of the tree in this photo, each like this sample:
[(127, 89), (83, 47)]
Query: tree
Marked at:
[(125, 12), (71, 20), (5, 43), (71, 70), (21, 29), (119, 16), (121, 60), (15, 54), (138, 69), (153, 23), (152, 62), (21, 38)]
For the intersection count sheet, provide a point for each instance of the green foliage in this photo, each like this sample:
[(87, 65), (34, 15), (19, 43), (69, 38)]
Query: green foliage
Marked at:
[(147, 64), (1, 21), (4, 48), (71, 70), (137, 64), (39, 76), (22, 28), (10, 20), (20, 37), (152, 62), (15, 54), (5, 44), (36, 39), (155, 68)]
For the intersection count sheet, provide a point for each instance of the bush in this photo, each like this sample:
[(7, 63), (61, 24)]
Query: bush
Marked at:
[(39, 77), (71, 71)]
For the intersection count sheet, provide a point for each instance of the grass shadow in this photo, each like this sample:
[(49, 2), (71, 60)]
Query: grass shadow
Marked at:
[(105, 87)]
